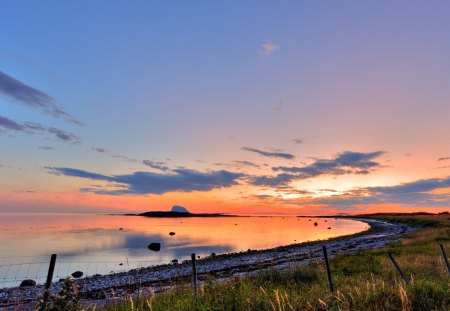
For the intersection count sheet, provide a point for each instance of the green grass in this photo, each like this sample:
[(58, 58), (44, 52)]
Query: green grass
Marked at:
[(364, 281)]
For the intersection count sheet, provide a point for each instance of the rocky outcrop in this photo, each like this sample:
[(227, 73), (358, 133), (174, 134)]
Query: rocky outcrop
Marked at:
[(179, 209)]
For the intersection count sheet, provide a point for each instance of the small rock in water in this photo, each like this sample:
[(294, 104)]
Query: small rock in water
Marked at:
[(213, 255), (120, 264), (171, 233), (27, 283), (77, 274), (326, 220), (154, 247), (329, 228), (175, 261), (120, 228), (309, 219), (315, 224)]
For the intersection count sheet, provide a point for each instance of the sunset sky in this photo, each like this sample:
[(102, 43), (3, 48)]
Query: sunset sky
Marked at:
[(299, 107)]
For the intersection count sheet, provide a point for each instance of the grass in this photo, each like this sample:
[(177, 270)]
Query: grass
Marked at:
[(364, 281)]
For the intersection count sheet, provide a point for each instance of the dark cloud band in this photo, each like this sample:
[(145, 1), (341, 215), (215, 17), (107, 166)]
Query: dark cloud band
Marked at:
[(180, 180), (344, 163), (28, 96)]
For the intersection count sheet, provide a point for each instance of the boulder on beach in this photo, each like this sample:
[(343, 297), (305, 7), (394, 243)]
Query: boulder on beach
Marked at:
[(179, 209), (77, 274), (154, 247), (27, 283)]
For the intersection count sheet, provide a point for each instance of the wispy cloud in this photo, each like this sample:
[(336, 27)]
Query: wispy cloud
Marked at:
[(45, 148), (269, 48), (180, 180), (63, 135), (444, 159), (263, 196), (245, 163), (28, 96), (8, 125), (106, 152), (238, 164), (270, 154), (158, 165), (24, 191), (298, 141), (100, 150)]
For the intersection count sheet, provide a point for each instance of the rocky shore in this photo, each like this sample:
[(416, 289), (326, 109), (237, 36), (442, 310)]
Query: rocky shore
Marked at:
[(96, 289)]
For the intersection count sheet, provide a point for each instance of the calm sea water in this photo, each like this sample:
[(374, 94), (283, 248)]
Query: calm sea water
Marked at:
[(106, 243)]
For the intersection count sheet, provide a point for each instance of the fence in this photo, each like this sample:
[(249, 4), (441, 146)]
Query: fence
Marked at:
[(42, 272)]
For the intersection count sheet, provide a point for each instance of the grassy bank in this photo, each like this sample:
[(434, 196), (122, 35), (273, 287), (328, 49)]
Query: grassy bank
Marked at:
[(366, 280)]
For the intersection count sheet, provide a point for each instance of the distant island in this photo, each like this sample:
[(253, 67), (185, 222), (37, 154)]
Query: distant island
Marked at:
[(178, 212)]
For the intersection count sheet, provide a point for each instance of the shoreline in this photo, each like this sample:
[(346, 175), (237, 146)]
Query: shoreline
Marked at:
[(99, 289)]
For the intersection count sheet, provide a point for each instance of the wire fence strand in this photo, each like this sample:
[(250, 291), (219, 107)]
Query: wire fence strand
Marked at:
[(12, 275)]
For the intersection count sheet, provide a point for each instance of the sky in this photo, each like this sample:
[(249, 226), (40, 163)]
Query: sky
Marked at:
[(254, 107)]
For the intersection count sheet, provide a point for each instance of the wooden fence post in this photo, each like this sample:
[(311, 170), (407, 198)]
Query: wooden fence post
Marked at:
[(444, 255), (194, 275), (51, 269), (391, 257), (327, 265)]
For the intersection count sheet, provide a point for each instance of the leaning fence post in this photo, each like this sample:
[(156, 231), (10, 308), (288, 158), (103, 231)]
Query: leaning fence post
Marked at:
[(194, 275), (391, 257), (327, 265), (444, 255), (51, 268)]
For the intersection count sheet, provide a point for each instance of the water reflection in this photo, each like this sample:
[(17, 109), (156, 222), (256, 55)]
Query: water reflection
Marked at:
[(87, 237)]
